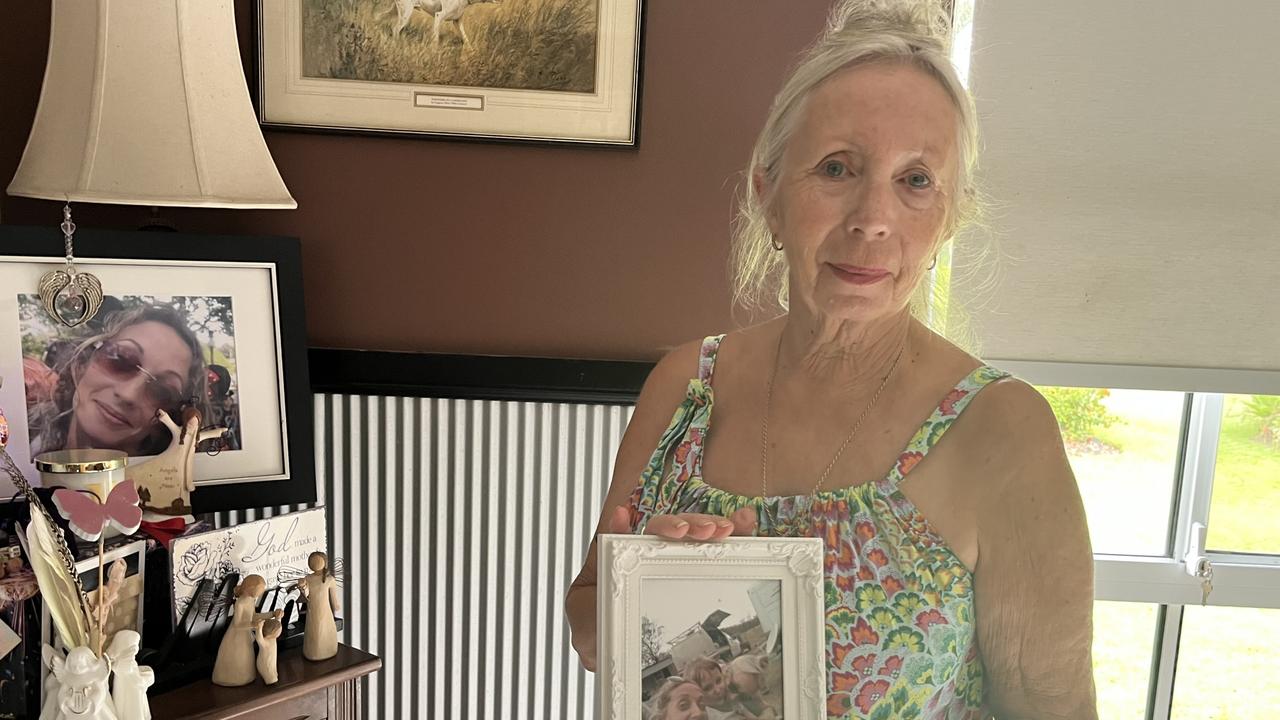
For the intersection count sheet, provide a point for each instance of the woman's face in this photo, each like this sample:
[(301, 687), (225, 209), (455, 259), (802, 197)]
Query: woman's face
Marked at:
[(714, 687), (861, 195), (115, 402), (685, 703)]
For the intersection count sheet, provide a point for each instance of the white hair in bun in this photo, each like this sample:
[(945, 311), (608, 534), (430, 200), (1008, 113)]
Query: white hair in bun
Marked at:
[(929, 21)]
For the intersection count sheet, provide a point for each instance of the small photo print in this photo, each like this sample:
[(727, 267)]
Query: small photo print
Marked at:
[(711, 649), (99, 385)]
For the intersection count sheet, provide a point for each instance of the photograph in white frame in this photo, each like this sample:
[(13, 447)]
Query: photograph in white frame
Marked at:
[(185, 344), (731, 624), (130, 602), (250, 287), (723, 634)]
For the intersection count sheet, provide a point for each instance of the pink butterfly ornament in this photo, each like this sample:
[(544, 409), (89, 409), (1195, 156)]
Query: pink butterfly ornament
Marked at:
[(88, 517)]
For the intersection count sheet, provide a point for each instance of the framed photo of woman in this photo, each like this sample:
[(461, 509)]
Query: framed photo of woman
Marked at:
[(725, 629), (206, 322)]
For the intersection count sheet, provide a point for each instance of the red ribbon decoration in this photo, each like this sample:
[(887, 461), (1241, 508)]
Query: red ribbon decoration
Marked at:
[(165, 530)]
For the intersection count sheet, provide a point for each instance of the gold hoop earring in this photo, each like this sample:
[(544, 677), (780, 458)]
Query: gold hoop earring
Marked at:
[(773, 240), (933, 264)]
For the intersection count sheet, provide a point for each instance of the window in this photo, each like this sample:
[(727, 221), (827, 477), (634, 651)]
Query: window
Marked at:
[(1123, 447), (1124, 643), (1227, 662), (1244, 511), (1169, 478)]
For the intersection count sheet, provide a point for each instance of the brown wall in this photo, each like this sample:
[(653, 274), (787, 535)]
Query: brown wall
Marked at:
[(429, 245)]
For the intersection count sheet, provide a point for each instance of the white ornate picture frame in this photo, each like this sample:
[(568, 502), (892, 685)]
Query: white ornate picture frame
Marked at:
[(626, 562)]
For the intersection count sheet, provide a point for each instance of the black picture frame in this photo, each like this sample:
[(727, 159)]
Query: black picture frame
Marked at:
[(284, 256)]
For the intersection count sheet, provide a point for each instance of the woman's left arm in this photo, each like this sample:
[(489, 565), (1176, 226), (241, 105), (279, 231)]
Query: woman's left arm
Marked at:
[(1034, 575)]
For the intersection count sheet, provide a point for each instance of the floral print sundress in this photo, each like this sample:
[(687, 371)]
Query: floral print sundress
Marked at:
[(899, 603)]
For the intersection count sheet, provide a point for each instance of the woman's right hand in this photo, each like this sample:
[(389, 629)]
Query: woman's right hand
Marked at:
[(688, 526), (694, 527)]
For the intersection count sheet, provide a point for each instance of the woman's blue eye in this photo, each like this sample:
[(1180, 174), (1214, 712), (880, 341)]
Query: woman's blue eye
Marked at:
[(833, 168), (919, 181)]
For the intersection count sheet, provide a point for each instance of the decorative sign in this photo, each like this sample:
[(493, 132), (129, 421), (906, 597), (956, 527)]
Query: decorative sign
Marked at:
[(275, 548)]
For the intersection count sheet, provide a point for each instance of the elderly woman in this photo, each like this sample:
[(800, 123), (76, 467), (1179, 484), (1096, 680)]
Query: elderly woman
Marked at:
[(110, 387), (958, 565)]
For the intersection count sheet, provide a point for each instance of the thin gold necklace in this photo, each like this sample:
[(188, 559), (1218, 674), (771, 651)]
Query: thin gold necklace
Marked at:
[(768, 407)]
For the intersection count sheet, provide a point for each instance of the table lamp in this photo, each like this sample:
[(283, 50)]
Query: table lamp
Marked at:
[(144, 102)]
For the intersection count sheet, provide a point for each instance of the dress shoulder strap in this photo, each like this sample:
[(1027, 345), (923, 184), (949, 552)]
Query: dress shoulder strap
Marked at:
[(941, 420), (678, 455), (707, 358)]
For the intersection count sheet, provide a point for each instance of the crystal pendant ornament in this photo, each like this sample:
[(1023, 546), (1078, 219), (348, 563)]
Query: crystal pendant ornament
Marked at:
[(70, 296)]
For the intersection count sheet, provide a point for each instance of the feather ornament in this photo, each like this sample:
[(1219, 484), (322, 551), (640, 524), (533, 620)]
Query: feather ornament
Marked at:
[(57, 585), (53, 563)]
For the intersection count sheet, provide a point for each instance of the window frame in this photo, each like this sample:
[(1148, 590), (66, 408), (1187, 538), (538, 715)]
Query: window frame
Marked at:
[(1239, 579)]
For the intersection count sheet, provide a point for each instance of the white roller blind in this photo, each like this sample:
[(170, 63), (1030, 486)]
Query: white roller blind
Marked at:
[(1133, 152)]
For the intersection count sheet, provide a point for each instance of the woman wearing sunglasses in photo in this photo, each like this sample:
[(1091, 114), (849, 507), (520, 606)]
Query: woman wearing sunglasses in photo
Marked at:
[(677, 699), (109, 389)]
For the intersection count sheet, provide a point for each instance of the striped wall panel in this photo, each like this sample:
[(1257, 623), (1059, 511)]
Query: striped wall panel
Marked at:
[(461, 524)]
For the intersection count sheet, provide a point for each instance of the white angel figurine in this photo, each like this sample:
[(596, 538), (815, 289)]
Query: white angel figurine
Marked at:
[(82, 685), (49, 708), (129, 689), (320, 591)]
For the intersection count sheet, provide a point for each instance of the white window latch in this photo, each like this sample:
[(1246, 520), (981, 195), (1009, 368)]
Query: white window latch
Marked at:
[(1197, 564)]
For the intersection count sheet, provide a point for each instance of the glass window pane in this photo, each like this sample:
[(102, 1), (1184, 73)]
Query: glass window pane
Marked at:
[(1246, 481), (1123, 447), (1124, 642), (1227, 660)]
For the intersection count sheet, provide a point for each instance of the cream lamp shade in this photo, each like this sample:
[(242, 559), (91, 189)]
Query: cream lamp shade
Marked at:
[(144, 103)]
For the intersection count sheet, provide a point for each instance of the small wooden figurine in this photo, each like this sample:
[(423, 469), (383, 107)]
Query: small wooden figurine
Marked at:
[(129, 686), (235, 663), (165, 483), (320, 591), (103, 601), (268, 632)]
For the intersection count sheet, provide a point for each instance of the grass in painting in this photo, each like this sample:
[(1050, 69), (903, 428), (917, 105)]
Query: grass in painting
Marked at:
[(515, 44)]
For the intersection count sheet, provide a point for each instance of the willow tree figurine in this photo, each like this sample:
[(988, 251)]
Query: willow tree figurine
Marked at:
[(235, 664), (320, 591)]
